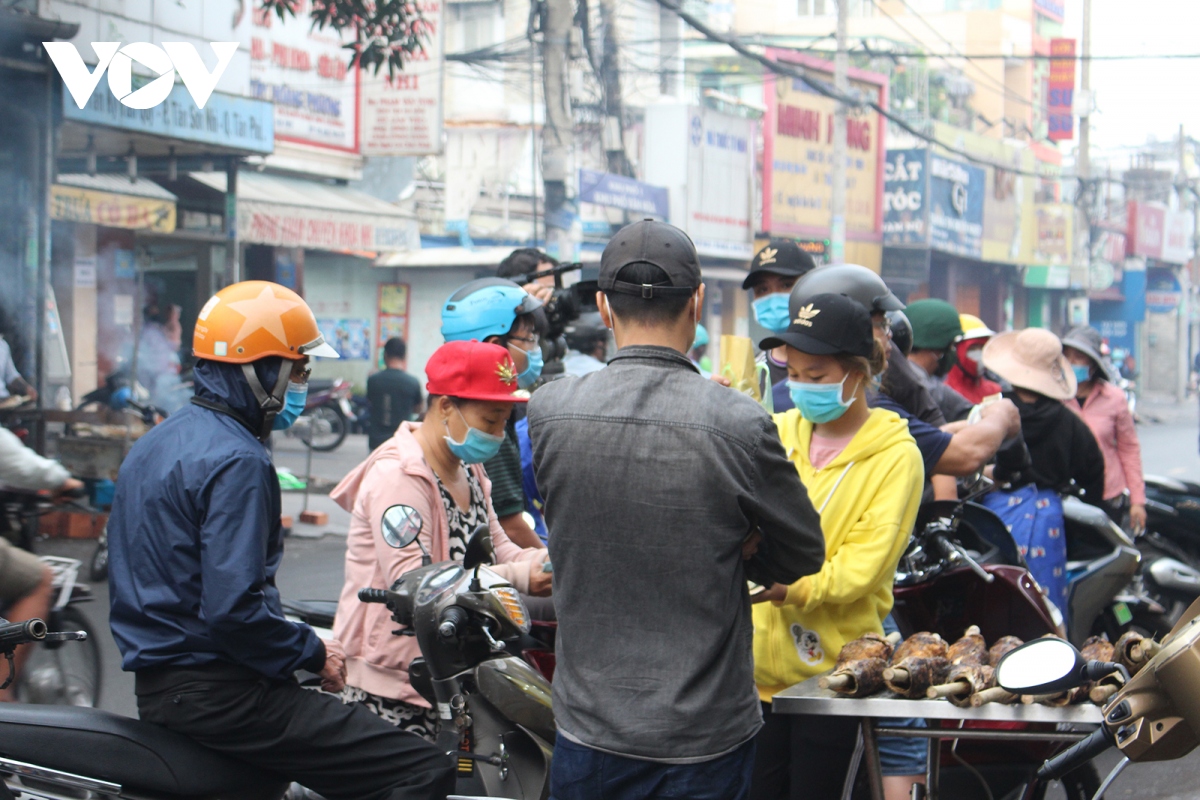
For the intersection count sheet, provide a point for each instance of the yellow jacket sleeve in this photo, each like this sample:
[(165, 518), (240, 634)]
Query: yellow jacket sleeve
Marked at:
[(867, 555)]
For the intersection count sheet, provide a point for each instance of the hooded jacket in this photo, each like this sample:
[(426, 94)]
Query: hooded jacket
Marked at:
[(396, 473), (868, 498), (194, 540)]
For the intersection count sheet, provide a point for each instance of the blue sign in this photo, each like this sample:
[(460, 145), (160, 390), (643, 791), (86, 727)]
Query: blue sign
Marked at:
[(1163, 292), (905, 217), (226, 121), (955, 201), (617, 191)]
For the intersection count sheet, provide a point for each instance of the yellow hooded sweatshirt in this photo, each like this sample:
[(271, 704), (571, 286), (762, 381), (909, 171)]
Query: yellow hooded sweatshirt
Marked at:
[(868, 498)]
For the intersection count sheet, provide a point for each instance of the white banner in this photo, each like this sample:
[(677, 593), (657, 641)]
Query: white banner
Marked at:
[(720, 173), (306, 74), (402, 115), (295, 226)]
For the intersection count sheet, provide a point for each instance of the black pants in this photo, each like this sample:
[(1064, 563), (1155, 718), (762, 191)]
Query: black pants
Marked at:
[(802, 757), (343, 752)]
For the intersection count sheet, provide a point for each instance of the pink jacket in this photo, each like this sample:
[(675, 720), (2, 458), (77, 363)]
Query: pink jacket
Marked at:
[(396, 473), (1107, 414)]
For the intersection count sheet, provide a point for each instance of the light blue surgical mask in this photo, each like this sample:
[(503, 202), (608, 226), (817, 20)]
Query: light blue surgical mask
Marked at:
[(476, 447), (293, 406), (533, 369), (1083, 373), (820, 402), (771, 311)]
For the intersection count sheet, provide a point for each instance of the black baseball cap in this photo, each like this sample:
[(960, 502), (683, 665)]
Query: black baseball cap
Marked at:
[(779, 257), (656, 243), (829, 324)]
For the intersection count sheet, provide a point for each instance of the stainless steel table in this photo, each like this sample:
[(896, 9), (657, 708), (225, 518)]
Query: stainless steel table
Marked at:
[(809, 698)]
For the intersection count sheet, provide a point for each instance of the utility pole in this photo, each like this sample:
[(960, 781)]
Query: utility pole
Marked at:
[(558, 133), (841, 82), (1083, 165), (610, 70), (1183, 328)]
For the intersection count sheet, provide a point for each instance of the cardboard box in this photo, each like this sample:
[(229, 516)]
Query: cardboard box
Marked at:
[(72, 524), (314, 517)]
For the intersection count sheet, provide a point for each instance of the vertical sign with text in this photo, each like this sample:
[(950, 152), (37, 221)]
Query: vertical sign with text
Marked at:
[(1061, 97), (402, 113)]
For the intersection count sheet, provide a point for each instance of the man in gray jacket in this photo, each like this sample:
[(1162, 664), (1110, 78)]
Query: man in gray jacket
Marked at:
[(665, 492)]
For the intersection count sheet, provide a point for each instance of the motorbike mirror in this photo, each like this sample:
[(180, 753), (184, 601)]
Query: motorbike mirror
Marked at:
[(401, 524), (1043, 666)]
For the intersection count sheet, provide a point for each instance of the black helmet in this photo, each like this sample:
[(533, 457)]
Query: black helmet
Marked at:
[(858, 283), (583, 333), (902, 332)]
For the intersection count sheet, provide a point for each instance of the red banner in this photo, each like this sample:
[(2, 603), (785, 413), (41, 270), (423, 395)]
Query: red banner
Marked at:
[(1061, 96)]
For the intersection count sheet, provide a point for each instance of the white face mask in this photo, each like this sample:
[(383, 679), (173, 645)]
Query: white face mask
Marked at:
[(975, 354)]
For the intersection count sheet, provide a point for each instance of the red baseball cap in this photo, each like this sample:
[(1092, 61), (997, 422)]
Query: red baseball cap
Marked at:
[(474, 370)]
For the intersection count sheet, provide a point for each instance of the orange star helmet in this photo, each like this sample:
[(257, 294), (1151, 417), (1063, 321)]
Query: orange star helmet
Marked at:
[(256, 319)]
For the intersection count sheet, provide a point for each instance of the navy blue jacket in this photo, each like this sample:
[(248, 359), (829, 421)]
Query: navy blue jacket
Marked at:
[(195, 541)]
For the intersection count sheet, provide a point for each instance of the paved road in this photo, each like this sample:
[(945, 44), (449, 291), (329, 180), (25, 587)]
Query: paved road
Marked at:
[(312, 568)]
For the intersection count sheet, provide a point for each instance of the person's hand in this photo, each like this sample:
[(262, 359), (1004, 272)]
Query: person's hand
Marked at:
[(333, 674), (540, 582), (1137, 518), (69, 486), (1005, 411), (540, 291), (721, 380), (750, 545), (776, 593)]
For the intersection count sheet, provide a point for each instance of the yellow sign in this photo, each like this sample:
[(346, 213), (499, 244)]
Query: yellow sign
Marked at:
[(72, 204), (798, 156)]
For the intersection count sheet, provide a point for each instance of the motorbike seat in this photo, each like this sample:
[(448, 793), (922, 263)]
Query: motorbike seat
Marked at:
[(139, 756), (317, 613)]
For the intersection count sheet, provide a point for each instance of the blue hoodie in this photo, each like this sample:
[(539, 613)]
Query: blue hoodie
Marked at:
[(195, 541)]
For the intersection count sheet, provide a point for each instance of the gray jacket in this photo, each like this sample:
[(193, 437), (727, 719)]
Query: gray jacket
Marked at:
[(653, 477)]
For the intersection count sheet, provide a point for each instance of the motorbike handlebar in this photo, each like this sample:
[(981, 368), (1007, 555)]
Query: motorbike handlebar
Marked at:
[(15, 633), (372, 595), (1077, 754)]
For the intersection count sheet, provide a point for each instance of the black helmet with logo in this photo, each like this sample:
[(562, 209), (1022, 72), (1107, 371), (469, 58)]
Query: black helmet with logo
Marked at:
[(858, 283), (902, 332)]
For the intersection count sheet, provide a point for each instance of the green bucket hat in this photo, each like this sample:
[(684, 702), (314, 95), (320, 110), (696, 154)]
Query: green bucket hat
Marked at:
[(935, 324)]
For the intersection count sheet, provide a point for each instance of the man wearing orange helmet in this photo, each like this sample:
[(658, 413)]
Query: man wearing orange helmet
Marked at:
[(194, 545)]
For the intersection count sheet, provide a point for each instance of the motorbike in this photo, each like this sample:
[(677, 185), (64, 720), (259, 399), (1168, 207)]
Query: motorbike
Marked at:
[(54, 674), (1153, 717), (494, 709), (1104, 594), (327, 415), (1170, 548)]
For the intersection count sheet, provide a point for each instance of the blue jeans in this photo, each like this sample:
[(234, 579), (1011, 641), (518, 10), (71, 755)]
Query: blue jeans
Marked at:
[(581, 773)]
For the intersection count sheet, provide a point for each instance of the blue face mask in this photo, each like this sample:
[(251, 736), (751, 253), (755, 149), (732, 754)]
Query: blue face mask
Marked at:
[(476, 447), (771, 311), (1082, 373), (533, 370), (293, 406), (819, 402)]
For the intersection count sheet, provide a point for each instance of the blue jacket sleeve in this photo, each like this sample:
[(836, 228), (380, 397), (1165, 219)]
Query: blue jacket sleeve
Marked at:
[(238, 599)]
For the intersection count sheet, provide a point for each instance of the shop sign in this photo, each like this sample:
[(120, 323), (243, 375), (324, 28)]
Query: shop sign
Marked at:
[(955, 204), (1060, 97), (1163, 292), (239, 123), (1054, 233), (402, 113), (798, 154), (1050, 9), (719, 179), (306, 74), (1156, 232), (296, 226), (1048, 276), (905, 218), (72, 204), (617, 191)]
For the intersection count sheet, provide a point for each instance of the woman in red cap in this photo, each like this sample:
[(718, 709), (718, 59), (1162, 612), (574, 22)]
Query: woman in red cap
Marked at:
[(435, 467)]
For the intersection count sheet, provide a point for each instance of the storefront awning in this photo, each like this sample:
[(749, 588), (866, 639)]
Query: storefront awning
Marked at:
[(290, 212), (113, 201)]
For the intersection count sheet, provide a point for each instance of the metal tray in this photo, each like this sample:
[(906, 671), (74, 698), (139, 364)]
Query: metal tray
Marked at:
[(809, 698)]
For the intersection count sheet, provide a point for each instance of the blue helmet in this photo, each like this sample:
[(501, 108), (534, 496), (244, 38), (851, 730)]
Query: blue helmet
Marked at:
[(483, 308), (701, 336)]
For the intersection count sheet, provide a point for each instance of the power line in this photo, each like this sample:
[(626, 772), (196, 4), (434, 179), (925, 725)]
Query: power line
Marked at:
[(824, 89)]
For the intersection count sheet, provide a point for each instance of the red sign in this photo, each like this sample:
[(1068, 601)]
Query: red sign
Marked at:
[(1061, 95)]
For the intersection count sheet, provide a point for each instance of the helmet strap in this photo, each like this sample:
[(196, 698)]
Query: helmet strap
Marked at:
[(269, 403)]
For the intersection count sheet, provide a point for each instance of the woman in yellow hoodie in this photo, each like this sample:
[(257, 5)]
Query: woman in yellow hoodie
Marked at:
[(864, 474)]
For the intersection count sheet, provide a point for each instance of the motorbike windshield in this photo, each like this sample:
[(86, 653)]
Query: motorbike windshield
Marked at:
[(438, 582)]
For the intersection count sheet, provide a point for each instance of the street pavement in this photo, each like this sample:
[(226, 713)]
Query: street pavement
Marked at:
[(312, 569)]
